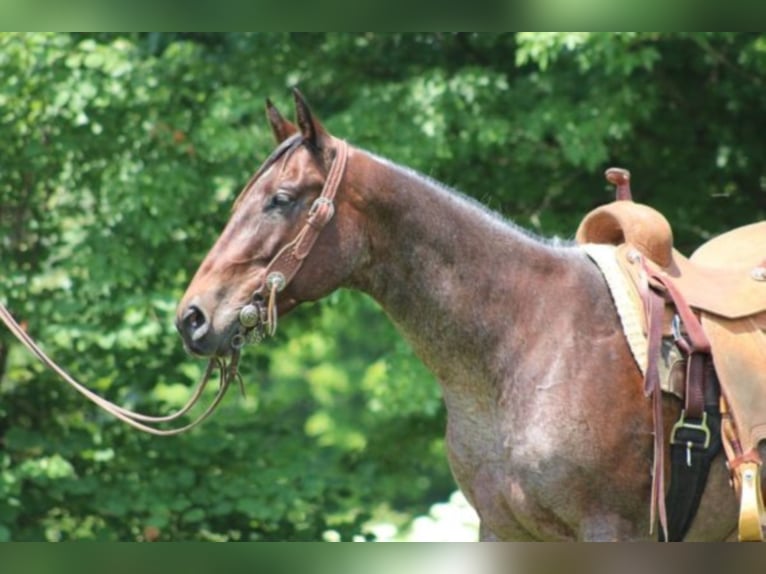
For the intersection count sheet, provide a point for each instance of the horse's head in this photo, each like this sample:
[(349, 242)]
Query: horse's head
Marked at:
[(292, 237)]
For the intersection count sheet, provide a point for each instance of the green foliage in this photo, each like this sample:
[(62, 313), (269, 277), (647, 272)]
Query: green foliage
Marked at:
[(121, 154)]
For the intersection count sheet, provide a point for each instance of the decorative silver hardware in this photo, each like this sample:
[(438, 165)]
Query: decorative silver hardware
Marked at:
[(676, 327), (758, 273), (634, 256), (319, 202), (276, 280), (249, 316), (256, 335)]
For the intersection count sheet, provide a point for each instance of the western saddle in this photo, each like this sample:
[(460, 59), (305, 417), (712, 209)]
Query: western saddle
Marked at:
[(713, 305)]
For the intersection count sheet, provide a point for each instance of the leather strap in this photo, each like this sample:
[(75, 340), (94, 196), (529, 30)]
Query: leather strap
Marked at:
[(696, 437), (694, 399), (288, 261), (697, 338), (654, 307), (142, 422)]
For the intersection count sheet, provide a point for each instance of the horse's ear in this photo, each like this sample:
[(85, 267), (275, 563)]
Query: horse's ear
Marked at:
[(312, 130), (280, 127)]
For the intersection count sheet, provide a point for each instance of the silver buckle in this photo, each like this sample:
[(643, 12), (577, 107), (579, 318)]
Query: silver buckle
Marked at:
[(319, 202)]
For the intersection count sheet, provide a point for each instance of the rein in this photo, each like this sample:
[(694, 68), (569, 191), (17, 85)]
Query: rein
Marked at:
[(257, 319), (228, 372)]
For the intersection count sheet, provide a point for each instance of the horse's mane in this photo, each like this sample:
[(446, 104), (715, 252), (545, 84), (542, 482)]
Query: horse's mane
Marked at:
[(288, 146), (457, 196)]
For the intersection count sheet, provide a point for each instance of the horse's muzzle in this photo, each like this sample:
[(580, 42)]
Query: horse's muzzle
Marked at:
[(193, 325)]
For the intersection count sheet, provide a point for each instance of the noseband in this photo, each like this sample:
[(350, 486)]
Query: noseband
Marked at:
[(259, 317)]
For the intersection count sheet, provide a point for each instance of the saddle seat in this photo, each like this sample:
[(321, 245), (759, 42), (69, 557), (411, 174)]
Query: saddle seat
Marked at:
[(724, 284)]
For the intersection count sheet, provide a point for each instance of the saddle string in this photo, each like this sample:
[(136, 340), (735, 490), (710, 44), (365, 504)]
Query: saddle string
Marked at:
[(653, 307), (228, 372)]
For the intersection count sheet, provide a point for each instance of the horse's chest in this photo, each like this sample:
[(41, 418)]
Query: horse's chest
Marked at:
[(503, 471), (479, 459)]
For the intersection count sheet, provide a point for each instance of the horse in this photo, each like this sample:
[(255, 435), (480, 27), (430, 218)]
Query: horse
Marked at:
[(549, 433)]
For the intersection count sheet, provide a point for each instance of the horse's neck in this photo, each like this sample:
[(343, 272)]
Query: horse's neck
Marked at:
[(454, 278)]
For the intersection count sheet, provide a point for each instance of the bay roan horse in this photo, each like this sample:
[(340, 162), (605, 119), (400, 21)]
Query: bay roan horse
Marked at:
[(549, 433)]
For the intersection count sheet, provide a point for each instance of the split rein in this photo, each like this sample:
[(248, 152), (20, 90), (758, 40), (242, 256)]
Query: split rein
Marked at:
[(257, 319), (228, 372)]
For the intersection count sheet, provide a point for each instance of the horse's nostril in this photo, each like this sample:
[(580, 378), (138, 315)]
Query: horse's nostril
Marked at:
[(193, 317), (195, 322)]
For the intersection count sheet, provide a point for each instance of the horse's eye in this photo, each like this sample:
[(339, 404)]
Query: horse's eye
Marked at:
[(281, 198)]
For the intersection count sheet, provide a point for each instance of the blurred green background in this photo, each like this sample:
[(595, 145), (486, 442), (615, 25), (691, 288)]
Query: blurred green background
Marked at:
[(120, 156)]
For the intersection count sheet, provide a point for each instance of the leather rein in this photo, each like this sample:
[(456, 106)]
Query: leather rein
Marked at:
[(228, 372), (257, 319)]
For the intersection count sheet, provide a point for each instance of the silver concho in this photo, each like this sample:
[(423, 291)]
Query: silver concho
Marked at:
[(276, 280), (249, 316)]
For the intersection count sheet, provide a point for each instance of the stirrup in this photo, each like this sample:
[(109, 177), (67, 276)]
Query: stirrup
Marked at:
[(751, 502)]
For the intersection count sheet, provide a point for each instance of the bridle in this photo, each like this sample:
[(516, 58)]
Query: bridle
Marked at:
[(256, 319), (259, 317)]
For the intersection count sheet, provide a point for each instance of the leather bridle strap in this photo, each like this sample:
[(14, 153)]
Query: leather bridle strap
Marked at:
[(134, 419), (288, 261)]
